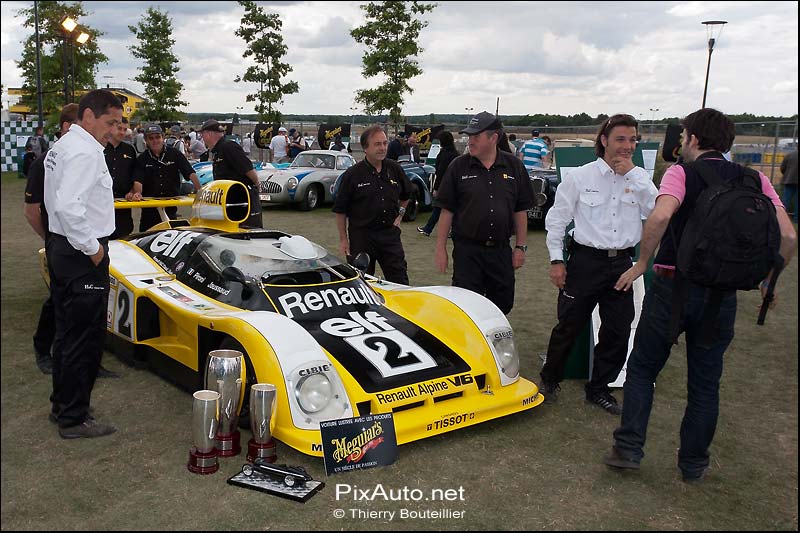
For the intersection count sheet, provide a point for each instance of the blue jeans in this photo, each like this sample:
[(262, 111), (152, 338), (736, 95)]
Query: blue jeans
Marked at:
[(790, 199), (433, 220), (650, 352)]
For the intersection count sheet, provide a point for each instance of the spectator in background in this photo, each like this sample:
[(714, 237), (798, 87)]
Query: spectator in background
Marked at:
[(412, 148), (446, 155), (296, 143), (789, 171), (247, 144), (533, 151), (397, 147), (338, 145), (27, 160), (547, 161), (197, 147), (121, 160), (505, 145), (37, 142), (128, 139), (138, 142), (279, 146)]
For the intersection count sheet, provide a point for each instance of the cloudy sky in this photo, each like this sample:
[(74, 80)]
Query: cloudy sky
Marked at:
[(538, 57)]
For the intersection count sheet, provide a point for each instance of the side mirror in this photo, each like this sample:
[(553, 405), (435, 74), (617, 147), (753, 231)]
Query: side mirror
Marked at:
[(232, 273), (361, 261)]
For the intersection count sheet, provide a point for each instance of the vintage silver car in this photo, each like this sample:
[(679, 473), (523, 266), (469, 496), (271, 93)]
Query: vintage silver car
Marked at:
[(307, 181)]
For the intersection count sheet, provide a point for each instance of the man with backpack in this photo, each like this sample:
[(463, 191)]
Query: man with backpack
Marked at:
[(721, 227)]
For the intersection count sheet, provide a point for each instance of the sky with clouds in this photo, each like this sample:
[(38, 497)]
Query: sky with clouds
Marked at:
[(537, 57)]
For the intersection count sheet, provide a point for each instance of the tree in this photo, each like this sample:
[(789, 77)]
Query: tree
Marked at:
[(390, 34), (87, 57), (161, 88), (261, 31)]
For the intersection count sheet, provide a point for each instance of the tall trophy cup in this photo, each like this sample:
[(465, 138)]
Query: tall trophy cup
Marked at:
[(262, 410), (205, 418), (225, 374)]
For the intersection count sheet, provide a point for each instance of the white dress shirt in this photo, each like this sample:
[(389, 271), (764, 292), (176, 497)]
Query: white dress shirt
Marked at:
[(78, 190), (607, 208)]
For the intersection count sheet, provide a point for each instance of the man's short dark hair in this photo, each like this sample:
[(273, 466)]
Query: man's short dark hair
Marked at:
[(369, 132), (609, 124), (39, 130), (446, 140), (512, 137), (99, 101), (124, 120), (69, 113), (713, 130), (535, 133)]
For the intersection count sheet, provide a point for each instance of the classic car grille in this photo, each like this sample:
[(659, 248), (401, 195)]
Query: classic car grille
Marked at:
[(539, 186), (270, 187)]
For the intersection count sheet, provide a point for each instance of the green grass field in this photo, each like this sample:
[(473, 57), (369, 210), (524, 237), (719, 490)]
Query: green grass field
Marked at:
[(535, 470)]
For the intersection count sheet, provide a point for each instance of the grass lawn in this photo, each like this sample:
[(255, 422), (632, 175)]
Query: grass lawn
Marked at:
[(535, 470)]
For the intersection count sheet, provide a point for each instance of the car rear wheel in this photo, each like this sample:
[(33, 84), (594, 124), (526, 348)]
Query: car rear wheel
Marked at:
[(311, 198), (413, 204)]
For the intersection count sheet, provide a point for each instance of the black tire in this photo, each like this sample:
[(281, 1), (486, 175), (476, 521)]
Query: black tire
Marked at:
[(229, 343), (412, 209), (312, 198)]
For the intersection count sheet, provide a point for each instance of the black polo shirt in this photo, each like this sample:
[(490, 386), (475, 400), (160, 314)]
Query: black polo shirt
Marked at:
[(371, 199), (161, 176), (484, 201), (34, 187), (121, 162), (230, 162)]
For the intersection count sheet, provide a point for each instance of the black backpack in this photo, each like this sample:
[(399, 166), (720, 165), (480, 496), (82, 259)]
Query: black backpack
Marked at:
[(731, 240)]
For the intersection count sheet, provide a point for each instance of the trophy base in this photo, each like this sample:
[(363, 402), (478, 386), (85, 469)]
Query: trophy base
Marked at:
[(202, 463), (228, 445), (265, 452)]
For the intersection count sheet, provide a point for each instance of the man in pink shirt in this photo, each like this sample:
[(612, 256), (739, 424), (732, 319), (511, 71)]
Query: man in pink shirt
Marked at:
[(707, 134)]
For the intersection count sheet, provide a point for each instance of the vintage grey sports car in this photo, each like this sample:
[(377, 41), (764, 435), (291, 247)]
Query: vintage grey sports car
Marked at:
[(307, 181)]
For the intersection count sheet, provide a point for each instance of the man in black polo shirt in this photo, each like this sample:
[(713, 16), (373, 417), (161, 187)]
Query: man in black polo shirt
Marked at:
[(231, 163), (121, 159), (485, 196), (373, 195), (158, 174)]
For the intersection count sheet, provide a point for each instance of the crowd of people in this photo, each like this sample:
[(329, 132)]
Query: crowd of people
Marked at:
[(481, 199)]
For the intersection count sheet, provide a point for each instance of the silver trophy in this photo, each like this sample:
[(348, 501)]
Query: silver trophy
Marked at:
[(205, 419), (225, 374), (262, 410)]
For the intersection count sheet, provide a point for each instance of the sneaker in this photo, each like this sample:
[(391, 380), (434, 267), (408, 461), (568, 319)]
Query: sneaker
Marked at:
[(695, 478), (615, 460), (89, 429), (550, 391), (103, 372), (605, 401), (421, 230)]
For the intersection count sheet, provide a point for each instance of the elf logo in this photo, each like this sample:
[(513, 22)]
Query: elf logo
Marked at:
[(171, 241)]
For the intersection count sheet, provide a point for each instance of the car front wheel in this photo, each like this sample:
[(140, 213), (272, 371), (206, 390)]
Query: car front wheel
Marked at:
[(311, 198)]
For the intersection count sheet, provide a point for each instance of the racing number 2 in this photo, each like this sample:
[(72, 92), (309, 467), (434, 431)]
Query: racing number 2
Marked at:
[(123, 319), (391, 352)]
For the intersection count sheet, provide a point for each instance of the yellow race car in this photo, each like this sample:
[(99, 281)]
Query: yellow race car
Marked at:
[(335, 342)]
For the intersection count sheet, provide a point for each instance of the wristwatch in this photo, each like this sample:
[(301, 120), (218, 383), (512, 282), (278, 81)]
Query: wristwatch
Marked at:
[(523, 247), (556, 262), (402, 210)]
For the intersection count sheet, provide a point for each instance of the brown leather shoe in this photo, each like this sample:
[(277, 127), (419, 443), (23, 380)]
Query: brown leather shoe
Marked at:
[(89, 429)]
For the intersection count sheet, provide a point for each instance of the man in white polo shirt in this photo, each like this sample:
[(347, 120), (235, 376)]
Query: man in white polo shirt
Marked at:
[(80, 202)]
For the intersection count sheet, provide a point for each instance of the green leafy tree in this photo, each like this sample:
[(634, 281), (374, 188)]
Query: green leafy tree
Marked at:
[(162, 89), (261, 31), (87, 57), (390, 34)]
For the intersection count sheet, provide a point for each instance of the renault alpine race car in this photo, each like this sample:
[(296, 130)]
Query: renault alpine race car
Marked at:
[(335, 342)]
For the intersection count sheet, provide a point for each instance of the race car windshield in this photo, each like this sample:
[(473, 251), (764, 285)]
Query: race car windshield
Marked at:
[(314, 160), (271, 258)]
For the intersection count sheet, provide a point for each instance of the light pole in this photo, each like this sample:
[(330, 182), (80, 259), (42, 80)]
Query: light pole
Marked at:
[(711, 26), (69, 26), (82, 38), (653, 110)]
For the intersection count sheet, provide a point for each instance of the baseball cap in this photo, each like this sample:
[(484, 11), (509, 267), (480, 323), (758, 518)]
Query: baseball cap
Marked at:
[(175, 129), (292, 130), (281, 129), (535, 133), (211, 125), (480, 122), (153, 128)]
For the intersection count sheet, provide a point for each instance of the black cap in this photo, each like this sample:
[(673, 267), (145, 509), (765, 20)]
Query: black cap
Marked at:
[(480, 122), (153, 128), (211, 125), (535, 133)]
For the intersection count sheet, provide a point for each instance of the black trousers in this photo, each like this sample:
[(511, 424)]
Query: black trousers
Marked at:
[(123, 219), (80, 298), (150, 217), (384, 247), (46, 330), (254, 220), (485, 270), (590, 281)]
